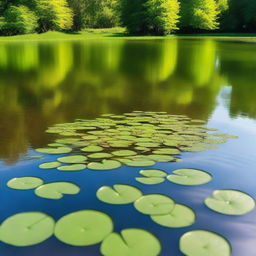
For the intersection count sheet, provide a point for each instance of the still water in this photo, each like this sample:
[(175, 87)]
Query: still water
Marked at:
[(43, 83)]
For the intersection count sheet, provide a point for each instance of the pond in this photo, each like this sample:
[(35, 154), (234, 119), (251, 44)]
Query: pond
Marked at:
[(54, 82)]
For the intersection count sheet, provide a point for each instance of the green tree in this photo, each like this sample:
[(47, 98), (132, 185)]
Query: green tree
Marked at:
[(199, 15), (150, 16), (19, 20), (54, 15)]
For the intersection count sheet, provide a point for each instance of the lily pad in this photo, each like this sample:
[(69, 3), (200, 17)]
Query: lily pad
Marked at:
[(124, 153), (131, 242), (153, 173), (59, 150), (25, 183), (231, 202), (56, 190), (166, 151), (190, 177), (74, 159), (105, 165), (139, 163), (92, 148), (150, 180), (26, 229), (100, 155), (72, 167), (161, 158), (203, 242), (119, 194), (83, 228), (154, 204), (49, 165), (180, 216)]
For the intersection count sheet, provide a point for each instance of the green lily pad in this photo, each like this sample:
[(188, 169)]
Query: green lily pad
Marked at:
[(59, 150), (56, 190), (231, 202), (180, 216), (105, 165), (100, 155), (153, 173), (92, 149), (26, 229), (131, 242), (154, 204), (139, 163), (190, 177), (72, 167), (74, 159), (83, 228), (124, 153), (166, 151), (161, 158), (148, 144), (150, 180), (119, 194), (203, 242), (25, 183), (49, 165)]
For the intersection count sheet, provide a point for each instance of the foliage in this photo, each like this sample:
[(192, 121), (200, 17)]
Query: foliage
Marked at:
[(19, 20), (199, 14), (150, 16)]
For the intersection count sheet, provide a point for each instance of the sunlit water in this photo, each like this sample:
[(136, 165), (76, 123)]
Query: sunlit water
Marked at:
[(43, 83)]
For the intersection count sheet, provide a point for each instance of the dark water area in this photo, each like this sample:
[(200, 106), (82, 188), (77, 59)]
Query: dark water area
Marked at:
[(44, 83)]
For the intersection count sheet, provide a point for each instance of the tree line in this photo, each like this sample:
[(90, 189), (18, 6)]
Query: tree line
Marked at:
[(156, 17)]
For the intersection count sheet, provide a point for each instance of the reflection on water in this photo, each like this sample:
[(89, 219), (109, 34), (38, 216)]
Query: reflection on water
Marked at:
[(42, 83)]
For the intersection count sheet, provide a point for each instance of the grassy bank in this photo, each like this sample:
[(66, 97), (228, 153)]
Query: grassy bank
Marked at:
[(121, 33)]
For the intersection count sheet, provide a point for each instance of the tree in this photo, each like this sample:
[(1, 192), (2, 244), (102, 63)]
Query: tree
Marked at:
[(199, 14), (150, 16), (54, 15), (19, 20), (95, 13)]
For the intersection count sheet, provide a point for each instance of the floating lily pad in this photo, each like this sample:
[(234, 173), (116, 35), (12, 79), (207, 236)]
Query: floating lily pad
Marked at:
[(231, 202), (59, 150), (131, 242), (154, 204), (204, 243), (100, 155), (56, 190), (26, 229), (92, 149), (49, 165), (139, 163), (124, 153), (180, 216), (72, 167), (74, 159), (161, 158), (105, 165), (83, 228), (153, 173), (119, 194), (190, 177), (150, 180), (166, 151), (25, 183)]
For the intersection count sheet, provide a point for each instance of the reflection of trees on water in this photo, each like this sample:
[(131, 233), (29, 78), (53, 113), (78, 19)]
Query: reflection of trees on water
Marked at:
[(45, 83)]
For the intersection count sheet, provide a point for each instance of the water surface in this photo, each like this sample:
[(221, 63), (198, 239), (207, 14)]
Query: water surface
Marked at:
[(43, 83)]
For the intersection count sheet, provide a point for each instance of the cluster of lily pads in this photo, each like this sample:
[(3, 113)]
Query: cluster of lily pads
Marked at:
[(53, 190), (190, 177), (89, 227), (134, 139), (162, 209), (138, 139)]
